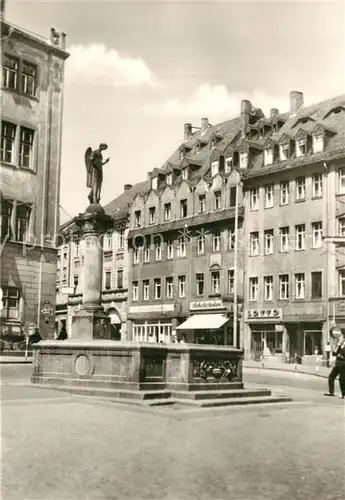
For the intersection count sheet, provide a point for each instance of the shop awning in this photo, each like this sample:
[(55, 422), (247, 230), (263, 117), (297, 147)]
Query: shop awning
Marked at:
[(203, 322)]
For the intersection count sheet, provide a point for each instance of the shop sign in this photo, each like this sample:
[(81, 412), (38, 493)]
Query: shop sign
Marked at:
[(263, 314), (206, 304)]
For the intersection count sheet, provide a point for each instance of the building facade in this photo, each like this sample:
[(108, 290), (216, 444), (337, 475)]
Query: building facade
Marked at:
[(294, 196), (70, 268), (31, 128)]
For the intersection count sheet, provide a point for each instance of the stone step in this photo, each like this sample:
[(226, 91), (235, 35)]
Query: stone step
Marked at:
[(227, 394), (210, 403)]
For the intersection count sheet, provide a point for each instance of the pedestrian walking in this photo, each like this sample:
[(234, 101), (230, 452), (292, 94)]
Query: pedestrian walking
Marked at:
[(317, 354), (338, 369), (328, 350)]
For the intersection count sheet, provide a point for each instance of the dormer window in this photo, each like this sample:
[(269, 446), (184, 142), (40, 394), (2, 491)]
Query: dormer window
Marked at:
[(185, 174), (182, 153), (284, 152), (152, 215), (197, 148), (213, 142), (155, 183), (244, 160), (228, 164), (301, 147), (268, 156), (214, 168), (318, 143), (169, 179)]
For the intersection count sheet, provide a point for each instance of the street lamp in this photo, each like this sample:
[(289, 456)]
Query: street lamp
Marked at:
[(235, 315)]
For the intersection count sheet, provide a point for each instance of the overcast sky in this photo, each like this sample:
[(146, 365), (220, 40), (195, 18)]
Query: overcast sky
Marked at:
[(139, 70)]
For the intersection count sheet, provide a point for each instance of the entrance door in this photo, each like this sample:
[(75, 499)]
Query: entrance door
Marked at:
[(312, 340)]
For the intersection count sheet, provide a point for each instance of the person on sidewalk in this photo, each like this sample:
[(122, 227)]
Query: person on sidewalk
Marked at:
[(338, 369), (328, 350)]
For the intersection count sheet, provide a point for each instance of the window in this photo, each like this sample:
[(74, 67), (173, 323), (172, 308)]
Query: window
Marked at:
[(182, 247), (158, 288), (301, 147), (342, 283), (170, 249), (284, 152), (181, 286), (268, 287), (317, 186), (152, 215), (26, 147), (121, 239), (341, 180), (137, 218), (228, 164), (22, 222), (108, 242), (253, 288), (318, 143), (268, 237), (300, 189), (216, 241), (254, 244), (232, 237), (233, 197), (10, 302), (8, 135), (316, 285), (167, 211), (317, 234), (300, 237), (169, 288), (200, 284), (29, 78), (183, 208), (201, 244), (146, 289), (284, 193), (135, 291), (136, 256), (169, 179), (107, 281), (146, 254), (299, 286), (158, 250), (185, 174), (243, 160), (284, 239), (5, 218), (341, 226), (254, 199), (202, 203), (119, 278), (217, 200), (231, 281), (214, 168), (284, 287), (269, 196), (10, 72), (268, 156), (215, 282)]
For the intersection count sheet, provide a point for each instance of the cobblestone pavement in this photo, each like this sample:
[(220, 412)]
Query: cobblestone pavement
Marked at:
[(61, 447)]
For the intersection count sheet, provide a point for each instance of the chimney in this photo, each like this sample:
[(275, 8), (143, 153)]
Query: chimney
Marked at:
[(127, 187), (204, 125), (246, 109), (296, 101), (187, 131), (274, 112)]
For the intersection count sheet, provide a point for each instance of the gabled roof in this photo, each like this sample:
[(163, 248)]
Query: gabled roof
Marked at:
[(119, 207)]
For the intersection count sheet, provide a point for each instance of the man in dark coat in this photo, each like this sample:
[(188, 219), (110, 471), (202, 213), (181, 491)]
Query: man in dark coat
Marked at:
[(338, 369)]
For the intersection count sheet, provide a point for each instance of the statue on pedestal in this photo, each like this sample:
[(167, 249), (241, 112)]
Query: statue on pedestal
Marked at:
[(94, 170)]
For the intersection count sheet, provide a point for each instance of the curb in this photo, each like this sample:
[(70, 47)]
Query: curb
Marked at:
[(12, 362), (283, 370)]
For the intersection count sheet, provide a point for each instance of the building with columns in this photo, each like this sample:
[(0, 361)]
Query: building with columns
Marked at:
[(32, 92), (294, 195), (70, 267)]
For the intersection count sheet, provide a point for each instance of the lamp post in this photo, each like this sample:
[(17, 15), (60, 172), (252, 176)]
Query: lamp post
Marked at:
[(235, 315)]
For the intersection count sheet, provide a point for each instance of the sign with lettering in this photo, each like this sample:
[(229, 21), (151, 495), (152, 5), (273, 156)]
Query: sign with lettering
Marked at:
[(264, 314), (206, 304)]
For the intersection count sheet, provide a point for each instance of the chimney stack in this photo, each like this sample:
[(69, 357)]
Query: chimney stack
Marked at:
[(127, 187), (274, 112), (204, 125), (296, 101), (187, 131), (246, 110)]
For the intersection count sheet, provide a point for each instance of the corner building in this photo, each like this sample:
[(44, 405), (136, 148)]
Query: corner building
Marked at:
[(31, 128), (294, 195)]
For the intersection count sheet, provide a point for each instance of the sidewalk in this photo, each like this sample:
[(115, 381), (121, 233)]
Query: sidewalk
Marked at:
[(306, 369)]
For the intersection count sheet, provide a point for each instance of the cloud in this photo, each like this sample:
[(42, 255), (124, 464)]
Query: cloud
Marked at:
[(216, 101), (97, 65)]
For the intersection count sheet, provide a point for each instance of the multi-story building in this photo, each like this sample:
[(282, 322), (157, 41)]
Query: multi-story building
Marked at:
[(295, 194), (31, 127), (182, 239), (69, 278)]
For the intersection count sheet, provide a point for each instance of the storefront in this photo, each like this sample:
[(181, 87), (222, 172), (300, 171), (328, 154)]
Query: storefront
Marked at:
[(152, 331), (267, 333)]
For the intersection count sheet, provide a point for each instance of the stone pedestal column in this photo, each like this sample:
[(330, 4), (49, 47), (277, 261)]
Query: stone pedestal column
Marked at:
[(91, 322)]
